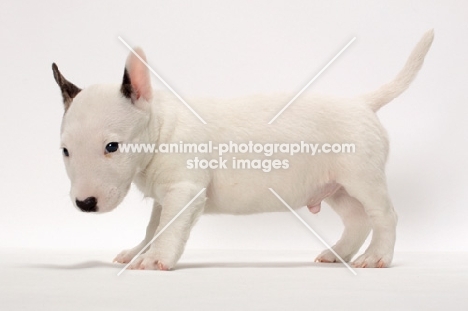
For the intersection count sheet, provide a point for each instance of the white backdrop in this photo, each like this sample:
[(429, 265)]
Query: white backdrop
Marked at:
[(229, 49)]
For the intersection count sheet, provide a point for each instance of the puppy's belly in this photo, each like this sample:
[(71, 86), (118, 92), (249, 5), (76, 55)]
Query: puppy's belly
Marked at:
[(250, 198)]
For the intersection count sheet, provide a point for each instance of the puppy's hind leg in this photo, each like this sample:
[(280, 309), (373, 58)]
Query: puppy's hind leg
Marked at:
[(372, 193), (357, 227), (126, 255)]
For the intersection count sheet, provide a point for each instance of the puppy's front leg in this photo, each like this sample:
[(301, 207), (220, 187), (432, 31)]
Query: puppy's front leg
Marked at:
[(126, 255), (166, 250)]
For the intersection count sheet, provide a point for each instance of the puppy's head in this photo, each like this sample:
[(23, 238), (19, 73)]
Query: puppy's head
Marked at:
[(96, 121)]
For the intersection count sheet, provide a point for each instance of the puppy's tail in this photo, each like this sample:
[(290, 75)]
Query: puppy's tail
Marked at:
[(387, 92)]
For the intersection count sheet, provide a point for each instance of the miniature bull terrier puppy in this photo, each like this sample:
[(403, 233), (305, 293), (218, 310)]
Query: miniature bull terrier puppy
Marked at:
[(99, 119)]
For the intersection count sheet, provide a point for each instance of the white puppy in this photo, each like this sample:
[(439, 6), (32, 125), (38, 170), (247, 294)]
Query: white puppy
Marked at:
[(100, 118)]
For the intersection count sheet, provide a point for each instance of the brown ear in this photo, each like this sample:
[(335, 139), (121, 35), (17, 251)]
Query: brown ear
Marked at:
[(69, 90)]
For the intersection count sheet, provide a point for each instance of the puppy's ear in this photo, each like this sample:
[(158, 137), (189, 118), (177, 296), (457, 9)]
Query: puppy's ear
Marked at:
[(136, 82), (69, 90)]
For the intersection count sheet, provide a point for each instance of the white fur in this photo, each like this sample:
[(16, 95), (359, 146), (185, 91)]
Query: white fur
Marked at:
[(100, 114)]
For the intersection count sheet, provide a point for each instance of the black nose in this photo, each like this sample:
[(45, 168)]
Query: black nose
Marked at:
[(88, 205)]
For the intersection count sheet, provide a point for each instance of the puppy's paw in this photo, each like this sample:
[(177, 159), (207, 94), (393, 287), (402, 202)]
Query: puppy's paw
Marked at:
[(126, 255), (327, 256), (373, 260), (149, 261)]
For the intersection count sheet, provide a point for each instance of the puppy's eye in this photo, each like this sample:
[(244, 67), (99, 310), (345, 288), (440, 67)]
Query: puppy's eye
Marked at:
[(65, 152), (112, 147)]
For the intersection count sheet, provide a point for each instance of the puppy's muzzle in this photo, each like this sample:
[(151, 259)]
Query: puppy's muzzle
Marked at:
[(87, 205)]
